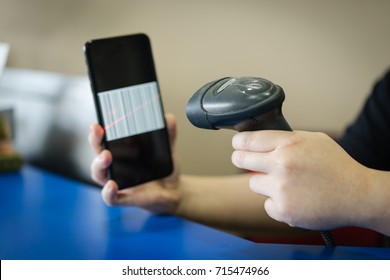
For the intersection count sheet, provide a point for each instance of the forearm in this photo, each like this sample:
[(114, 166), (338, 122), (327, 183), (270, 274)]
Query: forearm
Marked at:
[(226, 202)]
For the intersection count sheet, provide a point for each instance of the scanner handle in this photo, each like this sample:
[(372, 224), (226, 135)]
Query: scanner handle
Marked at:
[(273, 120)]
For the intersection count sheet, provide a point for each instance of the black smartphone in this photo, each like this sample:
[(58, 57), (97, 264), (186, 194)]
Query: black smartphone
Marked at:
[(129, 108)]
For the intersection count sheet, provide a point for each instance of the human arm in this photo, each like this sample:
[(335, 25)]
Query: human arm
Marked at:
[(223, 202), (367, 138), (311, 182)]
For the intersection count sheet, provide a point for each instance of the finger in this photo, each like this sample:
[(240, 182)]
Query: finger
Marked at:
[(261, 184), (260, 141), (99, 167), (95, 137), (114, 197), (271, 209), (172, 128), (109, 193), (253, 161)]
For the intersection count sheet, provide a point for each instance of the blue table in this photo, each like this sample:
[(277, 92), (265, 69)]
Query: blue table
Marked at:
[(46, 216)]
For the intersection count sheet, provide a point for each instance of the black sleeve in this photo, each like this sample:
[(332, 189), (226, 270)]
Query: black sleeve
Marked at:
[(367, 140)]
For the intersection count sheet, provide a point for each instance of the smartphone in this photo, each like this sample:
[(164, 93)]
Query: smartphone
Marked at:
[(129, 108)]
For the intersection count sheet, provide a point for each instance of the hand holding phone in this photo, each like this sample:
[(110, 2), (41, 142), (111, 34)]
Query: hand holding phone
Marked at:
[(129, 108)]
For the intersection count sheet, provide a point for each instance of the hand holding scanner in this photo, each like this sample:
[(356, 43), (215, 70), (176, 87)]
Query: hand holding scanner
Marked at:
[(242, 104)]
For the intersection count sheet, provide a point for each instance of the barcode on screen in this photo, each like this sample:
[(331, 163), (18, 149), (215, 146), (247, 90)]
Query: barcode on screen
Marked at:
[(131, 110)]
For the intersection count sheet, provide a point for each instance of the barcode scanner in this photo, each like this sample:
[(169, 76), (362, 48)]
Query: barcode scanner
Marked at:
[(241, 104)]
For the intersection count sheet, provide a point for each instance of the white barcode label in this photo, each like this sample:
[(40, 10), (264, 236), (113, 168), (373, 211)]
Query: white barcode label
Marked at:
[(131, 110)]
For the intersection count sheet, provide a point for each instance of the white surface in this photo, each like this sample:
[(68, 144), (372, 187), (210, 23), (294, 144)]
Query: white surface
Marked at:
[(4, 50)]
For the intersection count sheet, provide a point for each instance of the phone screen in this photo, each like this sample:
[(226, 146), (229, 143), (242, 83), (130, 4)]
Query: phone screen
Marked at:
[(129, 108)]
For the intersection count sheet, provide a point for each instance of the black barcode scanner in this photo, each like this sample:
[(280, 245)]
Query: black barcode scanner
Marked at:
[(242, 104)]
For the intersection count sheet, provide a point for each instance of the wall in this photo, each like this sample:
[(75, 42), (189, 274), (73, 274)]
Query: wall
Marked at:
[(325, 54)]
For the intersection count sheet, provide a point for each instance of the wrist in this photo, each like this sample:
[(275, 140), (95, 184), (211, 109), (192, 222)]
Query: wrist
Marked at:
[(377, 210), (183, 196)]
